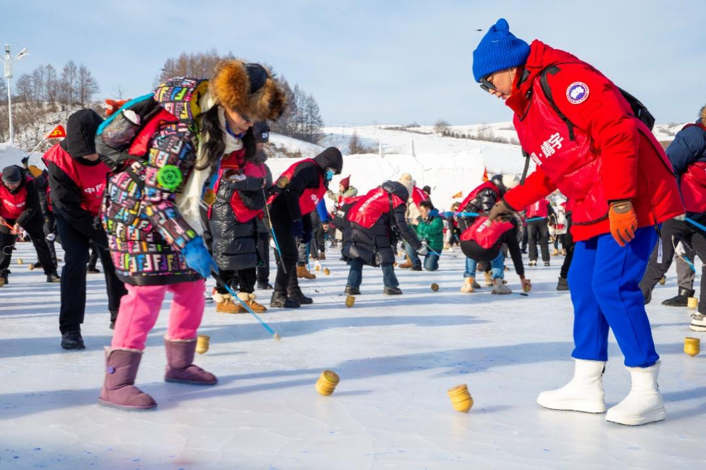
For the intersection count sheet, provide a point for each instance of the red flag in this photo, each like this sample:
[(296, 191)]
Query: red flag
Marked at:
[(485, 175), (57, 133)]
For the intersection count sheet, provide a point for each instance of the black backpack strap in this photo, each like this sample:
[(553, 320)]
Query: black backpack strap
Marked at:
[(527, 164), (553, 69)]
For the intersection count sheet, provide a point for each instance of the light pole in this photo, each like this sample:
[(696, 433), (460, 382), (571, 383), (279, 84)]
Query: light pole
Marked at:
[(8, 61)]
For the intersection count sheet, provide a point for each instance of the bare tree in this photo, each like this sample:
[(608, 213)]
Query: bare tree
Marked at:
[(51, 84), (86, 85), (441, 127), (67, 87)]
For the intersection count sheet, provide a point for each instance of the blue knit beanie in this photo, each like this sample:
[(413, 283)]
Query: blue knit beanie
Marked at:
[(498, 50)]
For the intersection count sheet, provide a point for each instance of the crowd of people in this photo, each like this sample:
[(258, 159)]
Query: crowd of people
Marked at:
[(173, 187)]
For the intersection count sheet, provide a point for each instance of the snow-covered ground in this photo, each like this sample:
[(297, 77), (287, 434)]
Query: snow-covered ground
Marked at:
[(397, 357)]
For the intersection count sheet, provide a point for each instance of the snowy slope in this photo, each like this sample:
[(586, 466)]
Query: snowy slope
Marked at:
[(397, 357)]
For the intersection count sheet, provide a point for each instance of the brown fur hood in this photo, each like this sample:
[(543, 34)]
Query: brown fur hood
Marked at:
[(248, 89)]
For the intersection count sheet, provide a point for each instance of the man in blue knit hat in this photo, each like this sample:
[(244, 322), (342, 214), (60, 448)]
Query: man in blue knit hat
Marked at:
[(582, 133)]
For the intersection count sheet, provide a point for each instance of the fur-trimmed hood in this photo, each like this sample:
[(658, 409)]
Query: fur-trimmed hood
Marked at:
[(248, 89)]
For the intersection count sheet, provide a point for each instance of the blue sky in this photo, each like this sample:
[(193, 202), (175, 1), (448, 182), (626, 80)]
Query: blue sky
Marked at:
[(383, 61)]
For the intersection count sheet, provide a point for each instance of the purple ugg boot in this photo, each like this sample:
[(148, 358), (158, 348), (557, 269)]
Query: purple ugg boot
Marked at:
[(180, 367), (119, 390)]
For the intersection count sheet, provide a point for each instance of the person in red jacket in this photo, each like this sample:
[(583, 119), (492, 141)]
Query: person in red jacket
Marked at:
[(77, 180), (537, 218), (20, 208), (586, 141)]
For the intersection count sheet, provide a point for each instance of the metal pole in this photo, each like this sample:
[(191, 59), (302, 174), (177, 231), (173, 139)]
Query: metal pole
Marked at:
[(9, 105)]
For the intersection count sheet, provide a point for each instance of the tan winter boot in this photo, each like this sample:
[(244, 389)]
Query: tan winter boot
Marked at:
[(256, 307), (225, 304), (500, 288), (407, 264), (555, 252), (467, 287), (303, 273), (488, 279)]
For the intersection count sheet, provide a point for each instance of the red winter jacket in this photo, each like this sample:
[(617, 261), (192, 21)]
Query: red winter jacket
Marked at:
[(612, 156)]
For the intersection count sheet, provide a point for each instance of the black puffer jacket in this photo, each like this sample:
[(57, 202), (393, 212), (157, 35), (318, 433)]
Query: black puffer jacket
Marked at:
[(234, 243), (374, 245)]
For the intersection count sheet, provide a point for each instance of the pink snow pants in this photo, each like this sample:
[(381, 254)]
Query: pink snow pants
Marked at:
[(139, 310)]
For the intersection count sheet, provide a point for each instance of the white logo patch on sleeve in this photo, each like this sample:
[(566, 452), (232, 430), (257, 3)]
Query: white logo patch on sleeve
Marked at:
[(577, 93)]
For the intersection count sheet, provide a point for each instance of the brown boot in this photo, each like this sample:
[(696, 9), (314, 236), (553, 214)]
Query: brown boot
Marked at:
[(407, 264), (302, 272), (488, 279), (119, 389), (256, 307), (225, 304), (180, 366), (322, 256)]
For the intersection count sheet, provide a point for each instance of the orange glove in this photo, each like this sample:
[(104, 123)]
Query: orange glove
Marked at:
[(623, 222)]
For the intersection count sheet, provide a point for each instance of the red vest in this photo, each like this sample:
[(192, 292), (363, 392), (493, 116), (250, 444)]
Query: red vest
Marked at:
[(372, 206), (234, 161), (89, 179), (538, 209), (576, 168), (310, 197), (474, 193), (12, 205), (418, 196), (485, 233), (693, 184)]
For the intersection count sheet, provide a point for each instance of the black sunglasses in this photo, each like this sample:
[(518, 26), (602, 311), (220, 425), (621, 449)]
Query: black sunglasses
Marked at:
[(486, 85)]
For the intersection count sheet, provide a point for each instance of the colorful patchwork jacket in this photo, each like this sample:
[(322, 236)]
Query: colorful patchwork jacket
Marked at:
[(145, 230)]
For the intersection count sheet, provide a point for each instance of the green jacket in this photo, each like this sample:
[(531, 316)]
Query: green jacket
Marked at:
[(431, 230)]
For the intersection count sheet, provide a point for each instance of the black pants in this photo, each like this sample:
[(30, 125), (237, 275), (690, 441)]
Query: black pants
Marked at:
[(242, 280), (50, 228), (93, 259), (673, 231), (263, 249), (76, 246), (569, 246), (320, 237), (525, 238), (286, 278), (36, 232), (538, 232)]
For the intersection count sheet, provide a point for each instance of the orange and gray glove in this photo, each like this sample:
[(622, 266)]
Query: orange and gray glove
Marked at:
[(623, 221)]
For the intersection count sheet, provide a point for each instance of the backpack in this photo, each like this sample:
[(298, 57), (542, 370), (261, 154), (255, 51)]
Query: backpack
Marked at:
[(639, 110), (116, 135)]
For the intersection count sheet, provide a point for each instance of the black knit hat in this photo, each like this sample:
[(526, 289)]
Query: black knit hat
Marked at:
[(330, 158), (81, 133), (12, 174)]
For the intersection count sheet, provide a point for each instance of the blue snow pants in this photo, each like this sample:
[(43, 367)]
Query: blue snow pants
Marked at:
[(604, 280)]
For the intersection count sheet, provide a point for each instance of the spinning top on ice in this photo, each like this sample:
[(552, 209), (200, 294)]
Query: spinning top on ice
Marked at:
[(327, 382), (460, 398), (202, 343), (317, 267), (30, 266), (435, 287), (350, 301), (692, 346), (394, 264), (19, 260), (327, 271), (693, 302), (663, 281)]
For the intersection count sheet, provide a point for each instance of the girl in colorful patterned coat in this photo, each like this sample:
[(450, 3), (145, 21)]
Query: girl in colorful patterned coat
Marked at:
[(152, 215)]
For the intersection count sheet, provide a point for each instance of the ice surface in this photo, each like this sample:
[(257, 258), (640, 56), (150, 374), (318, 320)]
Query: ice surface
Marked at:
[(396, 356)]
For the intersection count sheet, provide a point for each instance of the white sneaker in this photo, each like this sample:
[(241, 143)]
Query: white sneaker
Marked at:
[(644, 403), (698, 322), (500, 288), (583, 393)]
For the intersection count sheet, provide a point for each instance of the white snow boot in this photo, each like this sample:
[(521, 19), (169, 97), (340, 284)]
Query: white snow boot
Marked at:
[(698, 322), (644, 403), (584, 392), (499, 287)]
